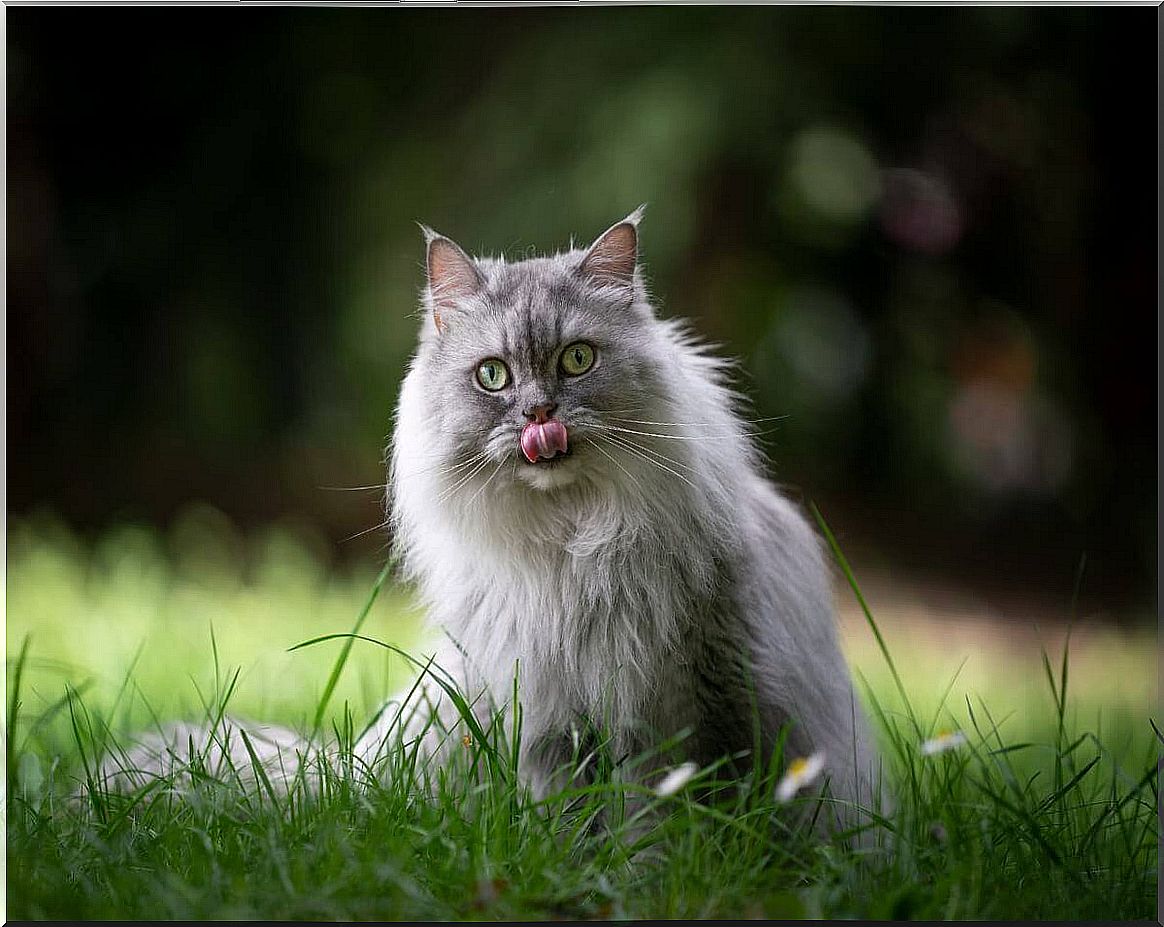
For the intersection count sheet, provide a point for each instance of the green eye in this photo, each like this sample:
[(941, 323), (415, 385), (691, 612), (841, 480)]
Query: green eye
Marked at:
[(492, 374), (577, 358)]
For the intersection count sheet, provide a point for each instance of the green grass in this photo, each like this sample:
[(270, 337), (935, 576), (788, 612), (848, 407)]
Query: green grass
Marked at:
[(1048, 812)]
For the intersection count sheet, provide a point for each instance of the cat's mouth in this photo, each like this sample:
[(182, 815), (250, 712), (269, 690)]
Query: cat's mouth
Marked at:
[(544, 443)]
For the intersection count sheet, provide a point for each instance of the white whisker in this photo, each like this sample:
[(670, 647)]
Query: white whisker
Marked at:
[(752, 421), (351, 537), (476, 458), (481, 489), (616, 414), (461, 482), (652, 434), (650, 450), (628, 442), (605, 453), (703, 437), (639, 453)]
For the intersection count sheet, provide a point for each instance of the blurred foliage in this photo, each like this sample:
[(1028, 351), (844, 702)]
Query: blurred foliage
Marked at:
[(929, 235)]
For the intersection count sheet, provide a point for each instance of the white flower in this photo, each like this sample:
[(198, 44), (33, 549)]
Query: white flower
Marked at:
[(676, 779), (801, 771), (942, 741)]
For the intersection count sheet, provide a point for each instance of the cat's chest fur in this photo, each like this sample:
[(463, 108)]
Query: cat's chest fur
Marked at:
[(586, 596)]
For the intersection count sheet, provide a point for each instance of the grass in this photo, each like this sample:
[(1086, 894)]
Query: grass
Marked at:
[(1047, 812)]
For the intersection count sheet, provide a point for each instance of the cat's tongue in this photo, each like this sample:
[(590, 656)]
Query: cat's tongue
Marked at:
[(543, 440)]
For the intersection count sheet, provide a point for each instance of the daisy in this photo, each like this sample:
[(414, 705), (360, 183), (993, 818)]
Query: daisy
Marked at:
[(676, 779), (942, 741), (801, 771)]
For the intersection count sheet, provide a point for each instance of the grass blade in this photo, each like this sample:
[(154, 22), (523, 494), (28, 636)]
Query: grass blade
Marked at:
[(342, 659), (260, 770), (447, 685), (872, 622), (1060, 793), (13, 712)]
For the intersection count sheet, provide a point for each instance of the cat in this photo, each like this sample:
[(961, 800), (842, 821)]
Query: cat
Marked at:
[(574, 489), (578, 499)]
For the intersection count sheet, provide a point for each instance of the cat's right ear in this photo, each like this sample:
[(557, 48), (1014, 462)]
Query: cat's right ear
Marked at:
[(451, 275)]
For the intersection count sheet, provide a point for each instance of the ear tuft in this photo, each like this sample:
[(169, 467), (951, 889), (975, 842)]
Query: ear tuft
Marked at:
[(636, 216), (451, 274), (614, 254)]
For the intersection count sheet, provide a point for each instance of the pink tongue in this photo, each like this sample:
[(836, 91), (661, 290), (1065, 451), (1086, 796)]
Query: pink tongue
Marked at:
[(543, 439)]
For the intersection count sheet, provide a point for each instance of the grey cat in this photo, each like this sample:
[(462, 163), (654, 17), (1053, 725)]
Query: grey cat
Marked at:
[(573, 488), (576, 495)]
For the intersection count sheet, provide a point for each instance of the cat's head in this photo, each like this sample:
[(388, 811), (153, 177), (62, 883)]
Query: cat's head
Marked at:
[(524, 365)]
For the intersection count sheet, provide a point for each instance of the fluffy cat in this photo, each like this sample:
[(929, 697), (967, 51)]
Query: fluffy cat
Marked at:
[(574, 490)]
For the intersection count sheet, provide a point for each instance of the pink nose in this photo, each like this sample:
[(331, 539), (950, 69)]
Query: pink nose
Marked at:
[(543, 439), (541, 413)]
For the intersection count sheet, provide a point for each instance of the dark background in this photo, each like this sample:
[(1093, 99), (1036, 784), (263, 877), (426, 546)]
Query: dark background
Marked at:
[(929, 234)]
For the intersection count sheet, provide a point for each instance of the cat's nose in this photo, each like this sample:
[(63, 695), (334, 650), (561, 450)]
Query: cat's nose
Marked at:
[(542, 412)]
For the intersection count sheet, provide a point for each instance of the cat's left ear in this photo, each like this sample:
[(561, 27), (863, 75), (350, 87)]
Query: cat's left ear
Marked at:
[(612, 258), (451, 274)]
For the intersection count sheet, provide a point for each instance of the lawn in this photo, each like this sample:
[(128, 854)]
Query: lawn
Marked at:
[(1047, 811)]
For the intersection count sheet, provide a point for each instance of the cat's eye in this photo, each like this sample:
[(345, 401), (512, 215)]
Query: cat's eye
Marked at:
[(577, 358), (492, 374)]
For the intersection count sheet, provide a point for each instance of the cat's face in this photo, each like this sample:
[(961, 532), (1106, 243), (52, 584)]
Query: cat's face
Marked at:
[(529, 365)]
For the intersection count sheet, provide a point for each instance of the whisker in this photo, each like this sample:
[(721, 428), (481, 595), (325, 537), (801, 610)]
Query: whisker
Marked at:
[(379, 486), (481, 489), (628, 442), (351, 537), (640, 453), (623, 441), (639, 410), (453, 468), (609, 456), (462, 481), (651, 434), (637, 452), (451, 488), (645, 446), (750, 421)]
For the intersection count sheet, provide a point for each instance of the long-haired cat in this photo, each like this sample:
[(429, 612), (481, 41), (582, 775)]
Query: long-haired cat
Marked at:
[(577, 497), (573, 488)]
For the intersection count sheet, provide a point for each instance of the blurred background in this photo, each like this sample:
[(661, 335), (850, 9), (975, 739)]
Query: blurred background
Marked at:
[(928, 234)]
